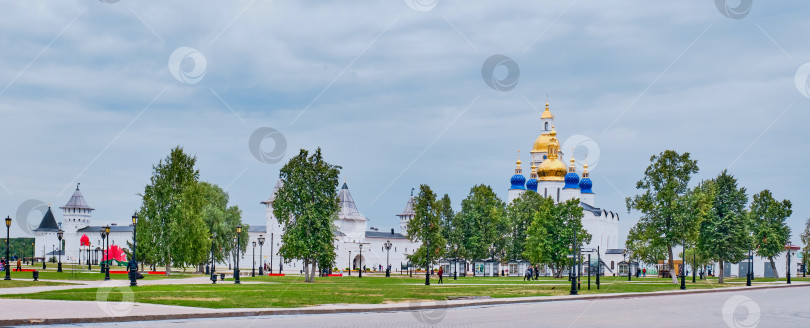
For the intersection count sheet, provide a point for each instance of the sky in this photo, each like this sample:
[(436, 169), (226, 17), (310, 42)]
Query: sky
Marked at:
[(398, 93)]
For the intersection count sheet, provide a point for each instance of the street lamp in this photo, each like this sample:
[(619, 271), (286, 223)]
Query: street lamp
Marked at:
[(750, 259), (213, 274), (59, 235), (361, 261), (34, 253), (350, 263), (683, 267), (261, 259), (790, 245), (236, 264), (106, 267), (253, 270), (89, 267), (571, 271), (387, 256), (133, 263), (8, 257)]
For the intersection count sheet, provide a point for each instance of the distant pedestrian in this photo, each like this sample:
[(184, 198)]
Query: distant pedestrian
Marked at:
[(644, 271), (19, 265), (2, 267), (528, 274), (441, 272), (536, 272)]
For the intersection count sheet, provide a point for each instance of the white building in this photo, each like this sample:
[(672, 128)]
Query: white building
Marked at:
[(75, 223), (352, 235), (550, 177)]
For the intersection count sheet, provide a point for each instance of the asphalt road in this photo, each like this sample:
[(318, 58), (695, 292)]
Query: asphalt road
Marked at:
[(782, 307)]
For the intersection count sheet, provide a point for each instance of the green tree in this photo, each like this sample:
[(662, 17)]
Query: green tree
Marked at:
[(724, 233), (771, 233), (305, 206), (664, 184), (446, 215), (426, 226), (167, 232), (520, 214), (481, 222), (550, 236), (220, 220)]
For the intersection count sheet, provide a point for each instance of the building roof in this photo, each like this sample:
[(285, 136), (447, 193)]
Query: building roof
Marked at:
[(385, 234), (408, 208), (595, 210), (113, 228), (614, 251), (48, 223), (77, 201), (348, 209), (272, 197)]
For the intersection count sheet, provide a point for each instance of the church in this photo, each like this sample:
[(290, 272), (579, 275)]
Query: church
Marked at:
[(550, 177)]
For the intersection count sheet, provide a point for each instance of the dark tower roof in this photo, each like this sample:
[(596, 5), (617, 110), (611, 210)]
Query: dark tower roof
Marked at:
[(77, 201), (48, 223)]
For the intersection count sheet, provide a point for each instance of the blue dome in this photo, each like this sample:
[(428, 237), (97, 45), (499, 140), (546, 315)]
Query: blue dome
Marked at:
[(518, 180), (586, 185), (532, 185), (571, 181)]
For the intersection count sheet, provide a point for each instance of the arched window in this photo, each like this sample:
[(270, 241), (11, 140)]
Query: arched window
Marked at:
[(611, 265)]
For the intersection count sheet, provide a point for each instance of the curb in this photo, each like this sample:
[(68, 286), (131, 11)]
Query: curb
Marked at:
[(441, 304)]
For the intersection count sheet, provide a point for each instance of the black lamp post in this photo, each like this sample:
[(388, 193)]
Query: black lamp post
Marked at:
[(107, 266), (694, 264), (8, 256), (455, 263), (387, 257), (573, 259), (133, 263), (43, 257), (213, 273), (59, 235), (598, 265), (261, 259), (427, 262), (253, 269), (750, 259), (236, 264), (790, 245), (350, 263), (361, 261), (89, 267), (34, 253), (683, 267)]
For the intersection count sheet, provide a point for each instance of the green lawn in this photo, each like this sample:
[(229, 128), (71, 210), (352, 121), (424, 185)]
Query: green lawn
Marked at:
[(28, 283), (293, 292)]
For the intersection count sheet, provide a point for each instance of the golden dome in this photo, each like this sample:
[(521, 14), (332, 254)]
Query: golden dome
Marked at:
[(551, 170), (546, 113), (541, 143)]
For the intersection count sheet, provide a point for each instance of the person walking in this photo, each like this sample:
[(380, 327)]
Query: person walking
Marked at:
[(644, 271), (19, 265), (441, 272)]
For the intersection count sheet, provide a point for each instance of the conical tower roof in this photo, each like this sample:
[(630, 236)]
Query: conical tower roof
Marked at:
[(408, 208), (77, 201), (348, 209), (48, 222), (272, 197)]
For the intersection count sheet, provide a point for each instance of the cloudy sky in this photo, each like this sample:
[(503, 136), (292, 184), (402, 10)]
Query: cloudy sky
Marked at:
[(96, 92)]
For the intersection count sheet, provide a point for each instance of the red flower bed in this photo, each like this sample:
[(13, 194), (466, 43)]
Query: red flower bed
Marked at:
[(275, 274)]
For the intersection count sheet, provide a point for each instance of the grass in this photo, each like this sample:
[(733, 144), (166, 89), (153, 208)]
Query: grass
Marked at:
[(269, 292), (29, 283)]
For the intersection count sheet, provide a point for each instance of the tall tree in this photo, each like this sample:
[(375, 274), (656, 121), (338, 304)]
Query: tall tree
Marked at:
[(221, 221), (426, 227), (550, 239), (520, 214), (724, 233), (446, 215), (771, 233), (664, 184), (483, 223), (305, 206), (165, 230)]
